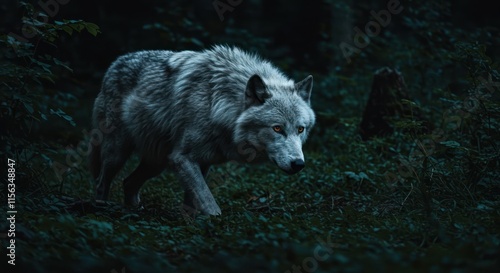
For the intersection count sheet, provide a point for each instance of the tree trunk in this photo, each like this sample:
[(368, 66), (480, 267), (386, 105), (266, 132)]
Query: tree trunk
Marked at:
[(386, 106)]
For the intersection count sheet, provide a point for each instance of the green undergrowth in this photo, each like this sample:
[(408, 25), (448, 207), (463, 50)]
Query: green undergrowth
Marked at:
[(399, 203), (338, 215)]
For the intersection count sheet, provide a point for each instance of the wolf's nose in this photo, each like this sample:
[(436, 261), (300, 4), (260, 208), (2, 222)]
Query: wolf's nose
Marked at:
[(297, 165)]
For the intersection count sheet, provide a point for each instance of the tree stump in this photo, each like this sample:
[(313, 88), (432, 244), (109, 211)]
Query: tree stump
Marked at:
[(386, 105)]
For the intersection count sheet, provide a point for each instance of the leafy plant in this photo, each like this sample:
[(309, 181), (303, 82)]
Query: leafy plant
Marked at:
[(28, 104)]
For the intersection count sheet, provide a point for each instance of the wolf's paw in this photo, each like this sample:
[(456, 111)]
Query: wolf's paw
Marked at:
[(204, 203), (211, 210)]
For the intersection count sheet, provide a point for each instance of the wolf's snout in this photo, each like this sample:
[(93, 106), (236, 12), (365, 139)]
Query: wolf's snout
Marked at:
[(297, 165)]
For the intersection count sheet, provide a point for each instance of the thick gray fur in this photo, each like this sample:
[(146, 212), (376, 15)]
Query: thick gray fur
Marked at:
[(189, 110)]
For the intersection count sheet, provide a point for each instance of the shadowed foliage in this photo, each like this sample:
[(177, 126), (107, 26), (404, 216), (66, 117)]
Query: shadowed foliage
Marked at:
[(397, 198)]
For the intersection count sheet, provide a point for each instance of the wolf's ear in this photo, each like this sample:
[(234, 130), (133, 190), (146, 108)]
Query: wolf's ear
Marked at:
[(256, 91), (304, 88)]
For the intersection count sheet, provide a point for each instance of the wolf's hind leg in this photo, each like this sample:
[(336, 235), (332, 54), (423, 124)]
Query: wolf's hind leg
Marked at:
[(133, 183), (114, 153)]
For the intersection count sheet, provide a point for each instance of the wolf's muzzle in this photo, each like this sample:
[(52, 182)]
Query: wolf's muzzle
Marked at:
[(297, 165)]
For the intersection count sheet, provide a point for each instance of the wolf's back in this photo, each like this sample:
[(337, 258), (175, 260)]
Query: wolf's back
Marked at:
[(121, 78), (152, 96)]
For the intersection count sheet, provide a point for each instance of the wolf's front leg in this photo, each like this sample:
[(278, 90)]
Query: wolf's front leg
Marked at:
[(197, 194)]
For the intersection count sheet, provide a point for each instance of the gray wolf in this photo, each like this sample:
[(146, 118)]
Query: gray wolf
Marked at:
[(188, 110)]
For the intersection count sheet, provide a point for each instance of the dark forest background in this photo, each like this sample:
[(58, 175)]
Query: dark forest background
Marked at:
[(418, 193)]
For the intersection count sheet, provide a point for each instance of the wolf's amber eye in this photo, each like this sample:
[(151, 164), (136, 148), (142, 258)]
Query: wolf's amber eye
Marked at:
[(301, 129), (277, 129)]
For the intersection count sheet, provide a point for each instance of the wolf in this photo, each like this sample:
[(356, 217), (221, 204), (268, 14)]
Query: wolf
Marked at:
[(188, 110)]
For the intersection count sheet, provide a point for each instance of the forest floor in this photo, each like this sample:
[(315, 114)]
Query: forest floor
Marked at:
[(340, 214)]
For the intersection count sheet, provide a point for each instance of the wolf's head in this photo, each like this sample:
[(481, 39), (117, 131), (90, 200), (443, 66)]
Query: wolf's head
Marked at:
[(276, 120)]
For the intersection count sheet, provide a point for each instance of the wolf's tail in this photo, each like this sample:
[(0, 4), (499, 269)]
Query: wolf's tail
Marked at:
[(95, 160)]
